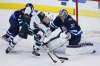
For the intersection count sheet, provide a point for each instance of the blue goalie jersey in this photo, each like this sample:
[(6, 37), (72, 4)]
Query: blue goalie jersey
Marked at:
[(69, 23)]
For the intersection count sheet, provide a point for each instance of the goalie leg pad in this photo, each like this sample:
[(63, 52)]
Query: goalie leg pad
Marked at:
[(59, 42), (52, 35), (78, 50)]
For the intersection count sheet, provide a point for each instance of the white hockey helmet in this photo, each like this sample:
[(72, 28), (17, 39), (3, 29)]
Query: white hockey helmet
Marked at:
[(28, 10), (29, 5)]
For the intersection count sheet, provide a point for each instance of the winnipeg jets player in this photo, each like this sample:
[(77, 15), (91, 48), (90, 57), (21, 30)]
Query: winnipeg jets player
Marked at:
[(66, 23), (65, 31), (17, 19)]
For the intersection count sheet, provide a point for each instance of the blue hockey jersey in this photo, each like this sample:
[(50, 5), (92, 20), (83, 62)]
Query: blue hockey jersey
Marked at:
[(69, 23)]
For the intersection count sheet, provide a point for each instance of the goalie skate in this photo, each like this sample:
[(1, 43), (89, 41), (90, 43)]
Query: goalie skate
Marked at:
[(81, 49), (88, 44)]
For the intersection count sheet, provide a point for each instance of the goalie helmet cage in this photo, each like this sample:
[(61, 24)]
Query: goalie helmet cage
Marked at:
[(76, 9)]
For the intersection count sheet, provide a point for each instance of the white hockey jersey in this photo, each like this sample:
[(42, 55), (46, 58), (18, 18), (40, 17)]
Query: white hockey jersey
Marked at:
[(35, 20)]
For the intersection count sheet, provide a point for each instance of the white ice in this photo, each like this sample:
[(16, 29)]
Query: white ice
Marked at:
[(22, 56)]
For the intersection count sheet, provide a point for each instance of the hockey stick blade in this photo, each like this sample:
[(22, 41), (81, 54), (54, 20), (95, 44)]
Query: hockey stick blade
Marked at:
[(64, 58), (60, 57)]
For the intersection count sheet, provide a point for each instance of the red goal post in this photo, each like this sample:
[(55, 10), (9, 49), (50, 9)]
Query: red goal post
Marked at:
[(76, 10)]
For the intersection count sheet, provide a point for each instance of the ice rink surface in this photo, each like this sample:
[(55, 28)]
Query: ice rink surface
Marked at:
[(22, 56)]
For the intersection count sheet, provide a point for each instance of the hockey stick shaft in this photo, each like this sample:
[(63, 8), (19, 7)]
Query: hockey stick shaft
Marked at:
[(64, 58), (51, 58)]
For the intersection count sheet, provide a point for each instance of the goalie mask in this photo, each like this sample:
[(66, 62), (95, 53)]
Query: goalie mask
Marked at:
[(63, 13)]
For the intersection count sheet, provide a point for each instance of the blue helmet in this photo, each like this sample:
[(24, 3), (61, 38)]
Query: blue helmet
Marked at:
[(63, 13)]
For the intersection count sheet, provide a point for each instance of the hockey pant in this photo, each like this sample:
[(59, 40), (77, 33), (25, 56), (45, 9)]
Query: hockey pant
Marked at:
[(79, 50), (14, 27)]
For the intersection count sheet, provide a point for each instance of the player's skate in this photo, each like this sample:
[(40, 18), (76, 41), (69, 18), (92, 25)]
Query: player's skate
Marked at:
[(35, 51), (5, 37), (37, 44), (11, 45)]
